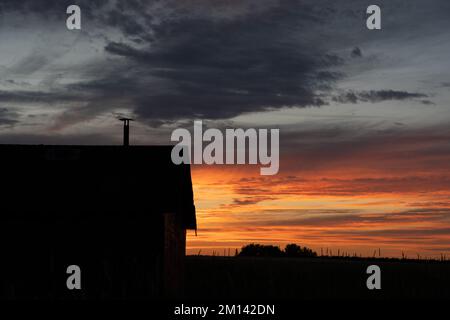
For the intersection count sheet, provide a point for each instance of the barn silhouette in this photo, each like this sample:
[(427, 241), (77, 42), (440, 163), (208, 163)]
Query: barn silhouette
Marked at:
[(118, 212)]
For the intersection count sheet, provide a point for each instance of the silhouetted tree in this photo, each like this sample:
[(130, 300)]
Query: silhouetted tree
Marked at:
[(293, 250), (258, 250)]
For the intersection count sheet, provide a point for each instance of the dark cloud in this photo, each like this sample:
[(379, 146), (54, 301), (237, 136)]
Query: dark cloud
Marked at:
[(382, 95), (19, 96), (374, 96), (126, 23), (356, 52), (60, 139), (173, 60), (198, 64), (193, 61), (51, 8), (8, 117), (428, 102), (347, 97), (219, 70)]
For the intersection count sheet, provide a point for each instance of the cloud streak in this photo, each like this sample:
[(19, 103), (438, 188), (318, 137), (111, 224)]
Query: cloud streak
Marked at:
[(375, 96)]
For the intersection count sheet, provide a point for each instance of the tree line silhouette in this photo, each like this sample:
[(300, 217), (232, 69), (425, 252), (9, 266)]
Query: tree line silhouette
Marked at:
[(291, 250)]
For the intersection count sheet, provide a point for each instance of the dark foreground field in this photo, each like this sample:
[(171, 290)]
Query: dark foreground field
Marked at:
[(212, 278)]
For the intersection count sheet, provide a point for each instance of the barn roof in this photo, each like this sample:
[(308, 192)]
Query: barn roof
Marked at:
[(68, 181)]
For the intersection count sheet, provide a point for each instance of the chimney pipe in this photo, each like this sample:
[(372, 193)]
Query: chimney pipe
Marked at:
[(126, 131)]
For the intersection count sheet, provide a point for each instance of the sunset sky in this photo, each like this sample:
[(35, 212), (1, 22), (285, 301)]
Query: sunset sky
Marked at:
[(364, 116)]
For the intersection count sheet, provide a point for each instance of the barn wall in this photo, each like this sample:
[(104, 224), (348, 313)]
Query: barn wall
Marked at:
[(119, 258), (174, 255)]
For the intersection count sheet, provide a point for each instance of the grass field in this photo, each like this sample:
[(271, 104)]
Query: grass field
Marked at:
[(212, 277)]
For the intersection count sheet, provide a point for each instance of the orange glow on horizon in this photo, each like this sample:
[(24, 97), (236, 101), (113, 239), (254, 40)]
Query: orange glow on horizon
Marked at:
[(349, 211)]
